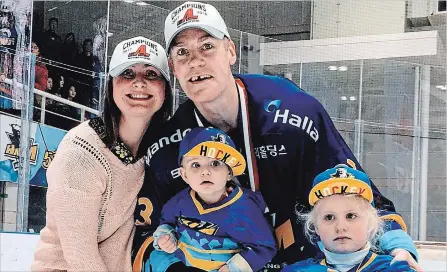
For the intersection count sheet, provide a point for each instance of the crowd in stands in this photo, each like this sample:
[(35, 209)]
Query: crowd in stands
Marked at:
[(66, 69)]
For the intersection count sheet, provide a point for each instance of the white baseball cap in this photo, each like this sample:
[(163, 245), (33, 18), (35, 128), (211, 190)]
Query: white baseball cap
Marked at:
[(194, 15), (138, 50)]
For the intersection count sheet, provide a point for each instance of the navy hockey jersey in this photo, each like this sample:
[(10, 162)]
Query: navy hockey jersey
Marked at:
[(289, 138), (210, 234)]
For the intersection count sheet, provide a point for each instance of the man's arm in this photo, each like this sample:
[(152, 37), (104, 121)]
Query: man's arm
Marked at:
[(147, 219)]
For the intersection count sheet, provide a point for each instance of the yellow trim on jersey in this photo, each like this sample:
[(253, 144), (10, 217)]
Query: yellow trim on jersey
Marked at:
[(323, 262), (396, 218), (205, 211), (138, 262), (198, 263), (371, 259), (212, 251)]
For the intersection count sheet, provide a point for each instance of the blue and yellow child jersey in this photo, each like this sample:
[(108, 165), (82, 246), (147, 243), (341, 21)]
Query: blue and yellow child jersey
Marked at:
[(371, 263), (211, 234)]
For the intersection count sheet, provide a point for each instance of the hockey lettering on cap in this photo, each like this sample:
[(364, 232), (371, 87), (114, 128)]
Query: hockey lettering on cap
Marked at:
[(212, 143), (341, 180), (222, 152)]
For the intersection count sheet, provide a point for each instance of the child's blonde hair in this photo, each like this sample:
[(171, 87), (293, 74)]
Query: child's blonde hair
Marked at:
[(376, 226)]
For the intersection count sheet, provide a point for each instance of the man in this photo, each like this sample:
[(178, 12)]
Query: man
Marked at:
[(285, 134), (52, 41), (88, 62)]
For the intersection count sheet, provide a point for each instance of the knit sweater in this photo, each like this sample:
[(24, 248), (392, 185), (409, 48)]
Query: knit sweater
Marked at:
[(91, 198)]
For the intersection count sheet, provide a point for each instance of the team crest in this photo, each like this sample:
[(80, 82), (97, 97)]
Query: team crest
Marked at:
[(341, 173), (198, 225), (140, 52), (219, 138), (189, 16)]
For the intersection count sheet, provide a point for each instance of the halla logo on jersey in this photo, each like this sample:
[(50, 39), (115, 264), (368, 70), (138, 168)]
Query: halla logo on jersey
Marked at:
[(285, 117)]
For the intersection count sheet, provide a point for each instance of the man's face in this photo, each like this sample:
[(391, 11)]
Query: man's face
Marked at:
[(88, 47), (202, 63), (53, 25)]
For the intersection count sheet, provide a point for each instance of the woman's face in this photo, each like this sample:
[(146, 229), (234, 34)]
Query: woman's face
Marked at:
[(49, 83), (61, 82), (72, 92), (139, 91), (35, 49)]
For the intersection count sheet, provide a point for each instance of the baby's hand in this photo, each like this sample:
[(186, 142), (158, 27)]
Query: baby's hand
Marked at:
[(167, 243), (224, 269)]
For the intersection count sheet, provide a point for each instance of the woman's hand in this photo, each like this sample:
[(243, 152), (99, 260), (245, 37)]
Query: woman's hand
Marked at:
[(400, 254), (167, 243), (224, 269)]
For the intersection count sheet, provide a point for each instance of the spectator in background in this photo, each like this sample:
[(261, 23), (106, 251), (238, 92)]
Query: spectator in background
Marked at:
[(58, 85), (99, 42), (71, 95), (87, 61), (8, 41), (51, 40), (40, 79), (68, 49), (41, 71)]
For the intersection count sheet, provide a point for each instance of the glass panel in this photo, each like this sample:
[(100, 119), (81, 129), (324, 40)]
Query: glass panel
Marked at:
[(336, 85)]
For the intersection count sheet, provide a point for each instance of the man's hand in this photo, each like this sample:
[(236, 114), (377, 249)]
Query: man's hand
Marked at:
[(224, 269), (400, 254), (167, 244)]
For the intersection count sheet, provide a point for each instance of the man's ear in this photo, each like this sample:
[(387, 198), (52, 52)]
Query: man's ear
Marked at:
[(183, 174), (232, 52)]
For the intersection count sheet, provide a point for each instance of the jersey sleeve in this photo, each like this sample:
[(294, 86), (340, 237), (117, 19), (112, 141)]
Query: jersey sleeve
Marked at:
[(253, 233)]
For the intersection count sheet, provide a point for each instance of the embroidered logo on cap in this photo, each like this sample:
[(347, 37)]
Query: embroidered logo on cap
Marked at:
[(140, 52), (341, 173), (219, 138), (189, 16)]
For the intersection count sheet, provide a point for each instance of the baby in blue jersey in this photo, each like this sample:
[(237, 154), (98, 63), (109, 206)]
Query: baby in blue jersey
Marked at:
[(215, 225), (345, 225)]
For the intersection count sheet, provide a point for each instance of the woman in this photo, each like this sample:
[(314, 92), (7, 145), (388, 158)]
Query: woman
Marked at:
[(98, 170), (41, 76), (68, 49)]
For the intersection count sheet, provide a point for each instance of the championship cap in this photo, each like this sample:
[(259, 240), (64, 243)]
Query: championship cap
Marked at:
[(194, 15), (138, 50)]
